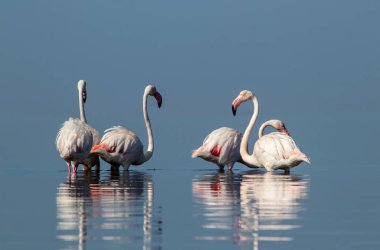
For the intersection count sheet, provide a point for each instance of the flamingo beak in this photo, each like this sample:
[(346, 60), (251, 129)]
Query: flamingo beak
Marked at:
[(235, 104), (285, 130), (158, 99)]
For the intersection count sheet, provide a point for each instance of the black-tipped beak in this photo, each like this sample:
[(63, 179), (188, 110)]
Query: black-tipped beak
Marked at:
[(233, 110), (235, 105), (84, 96), (159, 99)]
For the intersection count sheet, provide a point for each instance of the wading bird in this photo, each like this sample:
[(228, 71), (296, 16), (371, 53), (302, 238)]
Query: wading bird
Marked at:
[(76, 138), (273, 151), (222, 146), (120, 146)]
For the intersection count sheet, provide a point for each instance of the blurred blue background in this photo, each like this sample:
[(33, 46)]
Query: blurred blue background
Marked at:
[(314, 65)]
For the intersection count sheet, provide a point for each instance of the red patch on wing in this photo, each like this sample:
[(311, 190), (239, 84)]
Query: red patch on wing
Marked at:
[(216, 151), (104, 146)]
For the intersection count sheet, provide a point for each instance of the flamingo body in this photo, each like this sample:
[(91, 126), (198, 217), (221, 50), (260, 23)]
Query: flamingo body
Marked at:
[(123, 147), (74, 142), (278, 151), (120, 146), (221, 147)]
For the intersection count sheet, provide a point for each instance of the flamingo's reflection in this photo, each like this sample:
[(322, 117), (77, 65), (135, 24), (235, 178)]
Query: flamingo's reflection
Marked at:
[(251, 207), (117, 208)]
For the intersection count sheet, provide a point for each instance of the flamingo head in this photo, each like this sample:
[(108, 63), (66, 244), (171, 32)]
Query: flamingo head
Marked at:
[(279, 126), (152, 91), (82, 90), (244, 96)]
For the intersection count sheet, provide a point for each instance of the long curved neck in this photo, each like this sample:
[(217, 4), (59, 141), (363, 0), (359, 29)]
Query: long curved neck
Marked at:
[(149, 151), (81, 108), (250, 159), (262, 127)]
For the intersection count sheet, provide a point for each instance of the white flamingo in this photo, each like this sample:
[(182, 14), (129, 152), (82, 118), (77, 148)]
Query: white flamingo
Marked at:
[(75, 138), (222, 146), (120, 146), (273, 151)]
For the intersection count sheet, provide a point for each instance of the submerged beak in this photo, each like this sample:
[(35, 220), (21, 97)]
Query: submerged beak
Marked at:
[(158, 99), (235, 104)]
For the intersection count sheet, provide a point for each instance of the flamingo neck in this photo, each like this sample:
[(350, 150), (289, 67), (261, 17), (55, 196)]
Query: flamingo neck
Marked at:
[(250, 159), (263, 126), (81, 108), (149, 151)]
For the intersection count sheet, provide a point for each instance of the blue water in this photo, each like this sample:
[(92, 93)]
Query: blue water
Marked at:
[(311, 208)]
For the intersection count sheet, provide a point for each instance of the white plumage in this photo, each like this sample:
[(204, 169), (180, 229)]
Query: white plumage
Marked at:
[(120, 146), (76, 138), (276, 150), (222, 146)]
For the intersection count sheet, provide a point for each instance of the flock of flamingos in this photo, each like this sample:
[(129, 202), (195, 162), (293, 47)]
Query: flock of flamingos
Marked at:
[(79, 143)]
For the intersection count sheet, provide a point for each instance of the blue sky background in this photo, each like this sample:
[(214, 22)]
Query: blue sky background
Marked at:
[(313, 64)]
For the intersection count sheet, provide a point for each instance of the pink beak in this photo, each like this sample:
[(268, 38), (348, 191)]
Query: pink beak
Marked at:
[(235, 104), (158, 99)]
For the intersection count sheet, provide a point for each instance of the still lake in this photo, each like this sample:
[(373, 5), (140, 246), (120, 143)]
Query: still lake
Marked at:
[(190, 208)]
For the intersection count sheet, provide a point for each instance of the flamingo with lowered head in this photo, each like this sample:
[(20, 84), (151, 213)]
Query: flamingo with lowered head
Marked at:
[(273, 151), (222, 146), (76, 138), (120, 146)]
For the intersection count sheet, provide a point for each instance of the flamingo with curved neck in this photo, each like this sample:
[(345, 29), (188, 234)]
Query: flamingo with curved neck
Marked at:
[(120, 146), (273, 151), (75, 138), (277, 124), (222, 146)]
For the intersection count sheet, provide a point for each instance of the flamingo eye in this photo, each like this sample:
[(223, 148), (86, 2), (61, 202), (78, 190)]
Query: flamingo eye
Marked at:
[(84, 95)]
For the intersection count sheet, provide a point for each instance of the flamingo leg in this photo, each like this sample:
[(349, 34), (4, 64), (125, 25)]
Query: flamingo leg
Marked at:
[(114, 168), (221, 167), (75, 167), (69, 167), (126, 166), (230, 166), (97, 165)]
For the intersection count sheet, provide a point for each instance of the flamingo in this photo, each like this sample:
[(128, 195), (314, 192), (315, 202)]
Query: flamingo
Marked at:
[(273, 151), (222, 145), (120, 146), (75, 138)]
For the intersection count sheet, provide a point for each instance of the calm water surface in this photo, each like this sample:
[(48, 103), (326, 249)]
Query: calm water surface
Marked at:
[(311, 208)]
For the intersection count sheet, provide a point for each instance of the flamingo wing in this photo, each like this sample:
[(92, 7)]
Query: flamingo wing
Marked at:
[(278, 150), (220, 146), (123, 145)]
